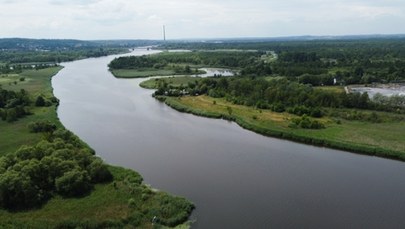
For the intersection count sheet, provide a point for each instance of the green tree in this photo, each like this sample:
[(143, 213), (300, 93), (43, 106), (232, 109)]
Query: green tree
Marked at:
[(73, 183), (40, 101)]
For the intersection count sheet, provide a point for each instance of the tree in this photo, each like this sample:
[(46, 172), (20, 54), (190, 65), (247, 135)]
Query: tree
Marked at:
[(73, 183), (40, 102), (17, 191), (98, 171)]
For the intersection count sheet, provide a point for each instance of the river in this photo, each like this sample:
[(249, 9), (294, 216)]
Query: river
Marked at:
[(236, 178)]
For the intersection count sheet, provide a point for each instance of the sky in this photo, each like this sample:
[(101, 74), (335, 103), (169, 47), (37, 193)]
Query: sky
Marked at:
[(143, 19)]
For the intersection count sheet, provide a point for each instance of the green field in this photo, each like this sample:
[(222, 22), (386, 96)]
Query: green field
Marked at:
[(141, 73), (36, 82), (383, 139), (173, 81)]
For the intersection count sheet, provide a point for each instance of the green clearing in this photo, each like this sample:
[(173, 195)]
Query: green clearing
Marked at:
[(173, 81), (385, 139), (35, 81), (336, 89)]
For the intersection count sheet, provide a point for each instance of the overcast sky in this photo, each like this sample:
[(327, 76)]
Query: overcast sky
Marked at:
[(143, 19)]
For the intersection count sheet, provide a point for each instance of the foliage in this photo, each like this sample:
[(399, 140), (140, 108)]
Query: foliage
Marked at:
[(62, 165), (307, 123), (319, 62), (42, 127), (13, 105)]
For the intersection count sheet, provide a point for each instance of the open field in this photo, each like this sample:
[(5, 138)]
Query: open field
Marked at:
[(385, 139), (35, 81), (14, 135)]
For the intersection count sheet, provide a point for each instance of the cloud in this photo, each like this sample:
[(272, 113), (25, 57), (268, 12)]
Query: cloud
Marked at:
[(104, 19)]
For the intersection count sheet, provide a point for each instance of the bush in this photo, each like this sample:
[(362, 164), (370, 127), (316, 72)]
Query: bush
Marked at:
[(41, 127), (307, 123), (73, 183), (40, 101), (99, 172), (18, 191)]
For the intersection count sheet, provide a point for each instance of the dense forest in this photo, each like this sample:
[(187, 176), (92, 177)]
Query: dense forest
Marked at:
[(321, 62)]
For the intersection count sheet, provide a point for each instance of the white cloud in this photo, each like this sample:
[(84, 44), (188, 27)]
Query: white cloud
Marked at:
[(103, 19)]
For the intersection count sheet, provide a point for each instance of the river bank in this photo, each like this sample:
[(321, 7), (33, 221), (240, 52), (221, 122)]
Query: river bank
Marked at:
[(349, 136)]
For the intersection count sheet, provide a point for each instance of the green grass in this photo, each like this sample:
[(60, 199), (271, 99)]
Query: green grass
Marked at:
[(14, 135), (36, 81), (172, 81), (336, 89), (386, 139), (141, 73), (107, 203)]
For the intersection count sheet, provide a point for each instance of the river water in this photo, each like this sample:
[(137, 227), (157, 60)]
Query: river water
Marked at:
[(236, 178)]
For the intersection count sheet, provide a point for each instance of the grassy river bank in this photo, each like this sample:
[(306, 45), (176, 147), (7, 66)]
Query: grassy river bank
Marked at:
[(385, 139)]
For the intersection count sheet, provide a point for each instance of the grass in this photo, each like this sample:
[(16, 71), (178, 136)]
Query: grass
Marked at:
[(386, 139), (141, 73), (107, 203), (35, 81), (336, 89), (14, 135), (173, 81)]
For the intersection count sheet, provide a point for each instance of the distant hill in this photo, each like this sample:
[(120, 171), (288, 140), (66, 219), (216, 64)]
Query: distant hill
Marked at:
[(66, 44), (294, 38)]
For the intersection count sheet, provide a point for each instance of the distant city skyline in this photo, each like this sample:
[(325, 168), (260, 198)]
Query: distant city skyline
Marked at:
[(143, 19)]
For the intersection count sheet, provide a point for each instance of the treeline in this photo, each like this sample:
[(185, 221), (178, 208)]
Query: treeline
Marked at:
[(61, 165), (355, 48), (278, 95), (214, 59), (321, 62), (23, 44), (32, 56), (18, 68)]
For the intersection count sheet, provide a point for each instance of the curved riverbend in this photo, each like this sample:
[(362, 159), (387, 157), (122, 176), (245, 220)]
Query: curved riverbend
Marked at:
[(236, 178)]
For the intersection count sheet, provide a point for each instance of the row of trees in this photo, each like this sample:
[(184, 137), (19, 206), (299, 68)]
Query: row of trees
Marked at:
[(60, 165), (217, 59)]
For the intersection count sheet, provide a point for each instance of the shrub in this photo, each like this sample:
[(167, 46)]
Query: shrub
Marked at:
[(73, 183), (40, 101), (41, 127)]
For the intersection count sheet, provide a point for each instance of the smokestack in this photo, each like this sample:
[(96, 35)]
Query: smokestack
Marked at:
[(164, 33)]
